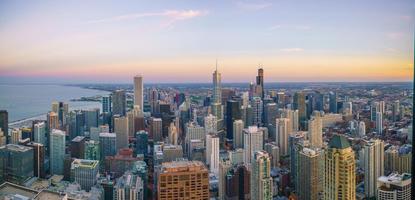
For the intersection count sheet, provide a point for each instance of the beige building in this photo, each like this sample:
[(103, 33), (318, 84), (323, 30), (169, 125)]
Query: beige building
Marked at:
[(183, 180), (310, 173), (340, 177)]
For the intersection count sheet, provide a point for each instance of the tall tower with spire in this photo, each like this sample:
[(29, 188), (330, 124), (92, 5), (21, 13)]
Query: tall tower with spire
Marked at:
[(217, 91), (260, 80)]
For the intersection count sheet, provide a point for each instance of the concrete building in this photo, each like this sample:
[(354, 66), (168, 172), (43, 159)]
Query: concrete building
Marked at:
[(282, 134), (108, 144), (238, 126), (121, 131), (138, 91), (315, 132), (373, 165), (85, 172), (310, 174), (394, 187), (253, 142), (212, 153)]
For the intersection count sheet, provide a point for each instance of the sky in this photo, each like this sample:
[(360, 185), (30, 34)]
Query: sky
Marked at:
[(180, 41)]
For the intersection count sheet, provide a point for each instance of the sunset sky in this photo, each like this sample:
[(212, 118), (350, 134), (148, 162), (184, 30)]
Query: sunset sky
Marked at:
[(179, 41)]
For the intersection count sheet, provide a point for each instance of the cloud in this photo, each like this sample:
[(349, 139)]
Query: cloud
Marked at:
[(171, 15), (292, 50), (395, 35), (253, 6)]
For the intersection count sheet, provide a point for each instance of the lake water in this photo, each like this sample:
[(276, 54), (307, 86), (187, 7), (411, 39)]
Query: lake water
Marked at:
[(27, 101)]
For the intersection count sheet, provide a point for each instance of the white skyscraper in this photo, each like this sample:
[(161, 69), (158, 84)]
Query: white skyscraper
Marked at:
[(379, 123), (212, 153), (362, 128), (138, 91), (57, 151), (281, 132), (173, 135), (315, 132), (211, 125), (40, 133), (253, 142), (238, 126), (217, 91), (373, 164)]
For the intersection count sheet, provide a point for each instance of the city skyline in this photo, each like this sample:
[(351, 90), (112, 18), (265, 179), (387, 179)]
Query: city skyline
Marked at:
[(165, 42)]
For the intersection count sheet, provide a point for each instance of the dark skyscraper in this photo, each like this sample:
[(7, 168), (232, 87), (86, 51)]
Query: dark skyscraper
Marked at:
[(119, 102), (233, 113), (4, 123), (238, 183), (333, 102), (39, 169), (260, 81), (319, 101), (300, 105)]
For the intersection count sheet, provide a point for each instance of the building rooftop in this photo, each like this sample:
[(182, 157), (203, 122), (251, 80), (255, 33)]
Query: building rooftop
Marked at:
[(107, 135), (49, 195), (84, 163), (10, 190), (78, 138), (183, 166), (339, 142), (396, 179), (16, 147)]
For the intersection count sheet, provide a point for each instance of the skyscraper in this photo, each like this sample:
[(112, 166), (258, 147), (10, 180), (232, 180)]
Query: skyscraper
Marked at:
[(315, 132), (260, 81), (39, 168), (300, 105), (261, 180), (108, 144), (340, 178), (129, 187), (39, 133), (333, 102), (217, 90), (16, 163), (85, 173), (233, 113), (119, 102), (138, 91), (238, 126), (141, 142), (253, 142), (362, 129), (57, 151), (373, 165), (4, 122), (106, 104), (379, 123), (156, 129), (238, 184), (191, 181), (281, 131), (212, 153), (92, 150), (211, 124), (257, 109), (310, 173), (121, 130)]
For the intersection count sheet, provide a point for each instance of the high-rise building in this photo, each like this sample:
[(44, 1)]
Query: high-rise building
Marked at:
[(191, 181), (395, 110), (398, 159), (261, 180), (156, 129), (211, 124), (53, 121), (3, 138), (274, 152), (224, 167), (16, 163), (119, 102), (253, 142), (212, 153), (138, 91), (362, 129), (310, 173), (394, 187), (238, 126), (15, 136), (108, 144), (379, 123), (85, 172), (257, 110), (173, 134), (4, 122), (92, 150), (217, 90), (315, 132), (340, 178), (282, 134), (129, 187), (91, 118), (233, 113), (238, 184), (260, 82), (141, 143), (77, 147), (106, 104), (333, 102), (121, 130), (39, 133), (373, 165), (57, 151), (39, 169), (300, 105)]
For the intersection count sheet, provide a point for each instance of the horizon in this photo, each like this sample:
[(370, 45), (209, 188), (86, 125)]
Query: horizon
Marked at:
[(167, 42)]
